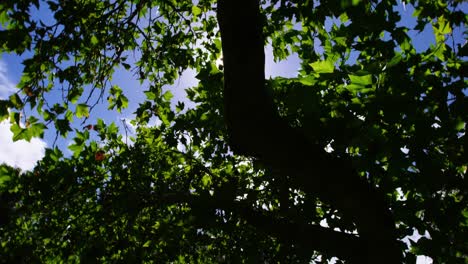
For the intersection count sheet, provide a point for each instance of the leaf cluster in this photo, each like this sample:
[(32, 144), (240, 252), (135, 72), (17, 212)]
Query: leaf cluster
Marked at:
[(176, 193)]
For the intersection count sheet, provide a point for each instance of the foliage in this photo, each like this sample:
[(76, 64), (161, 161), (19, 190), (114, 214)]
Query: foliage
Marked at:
[(177, 193)]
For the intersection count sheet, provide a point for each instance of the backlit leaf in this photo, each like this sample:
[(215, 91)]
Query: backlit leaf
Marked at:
[(82, 110), (323, 66)]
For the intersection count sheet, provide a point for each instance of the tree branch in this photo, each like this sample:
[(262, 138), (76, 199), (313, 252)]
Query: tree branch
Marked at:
[(256, 129)]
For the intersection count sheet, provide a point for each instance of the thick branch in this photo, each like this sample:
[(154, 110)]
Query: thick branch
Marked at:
[(256, 130)]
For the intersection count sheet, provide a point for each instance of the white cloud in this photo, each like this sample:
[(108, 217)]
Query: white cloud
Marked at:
[(7, 87), (21, 154), (423, 260)]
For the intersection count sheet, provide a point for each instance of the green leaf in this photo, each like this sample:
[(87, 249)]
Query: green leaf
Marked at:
[(394, 61), (75, 94), (54, 154), (363, 80), (150, 95), (196, 11), (4, 104), (82, 110), (94, 40), (180, 106), (16, 101), (167, 96), (344, 18), (442, 27), (164, 118), (4, 179), (20, 133), (3, 18), (14, 117), (206, 180), (147, 244), (308, 80), (63, 126), (76, 149), (323, 66), (112, 130), (5, 176), (121, 102), (126, 66), (406, 44), (459, 125), (37, 130), (439, 51), (217, 42), (115, 90), (100, 124)]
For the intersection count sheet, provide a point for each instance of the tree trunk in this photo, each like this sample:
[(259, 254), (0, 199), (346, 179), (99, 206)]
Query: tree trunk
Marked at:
[(256, 130)]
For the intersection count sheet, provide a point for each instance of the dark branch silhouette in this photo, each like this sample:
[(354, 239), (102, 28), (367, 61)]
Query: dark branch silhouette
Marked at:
[(256, 130)]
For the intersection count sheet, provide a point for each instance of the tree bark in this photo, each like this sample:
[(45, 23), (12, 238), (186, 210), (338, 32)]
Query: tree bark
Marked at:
[(256, 130)]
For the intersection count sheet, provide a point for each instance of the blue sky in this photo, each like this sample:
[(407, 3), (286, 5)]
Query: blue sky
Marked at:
[(24, 154)]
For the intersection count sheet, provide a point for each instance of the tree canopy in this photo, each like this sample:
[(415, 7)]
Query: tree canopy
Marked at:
[(363, 148)]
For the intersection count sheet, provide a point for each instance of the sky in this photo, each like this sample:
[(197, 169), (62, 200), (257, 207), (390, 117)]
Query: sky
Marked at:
[(24, 154)]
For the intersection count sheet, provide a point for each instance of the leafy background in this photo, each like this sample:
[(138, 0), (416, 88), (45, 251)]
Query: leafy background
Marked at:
[(374, 83)]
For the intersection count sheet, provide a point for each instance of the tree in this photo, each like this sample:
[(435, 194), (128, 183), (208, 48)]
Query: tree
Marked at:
[(243, 176)]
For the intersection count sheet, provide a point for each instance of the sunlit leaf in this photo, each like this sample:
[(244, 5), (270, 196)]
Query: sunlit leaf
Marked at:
[(94, 40), (82, 110), (323, 66), (196, 11), (168, 96), (362, 80)]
